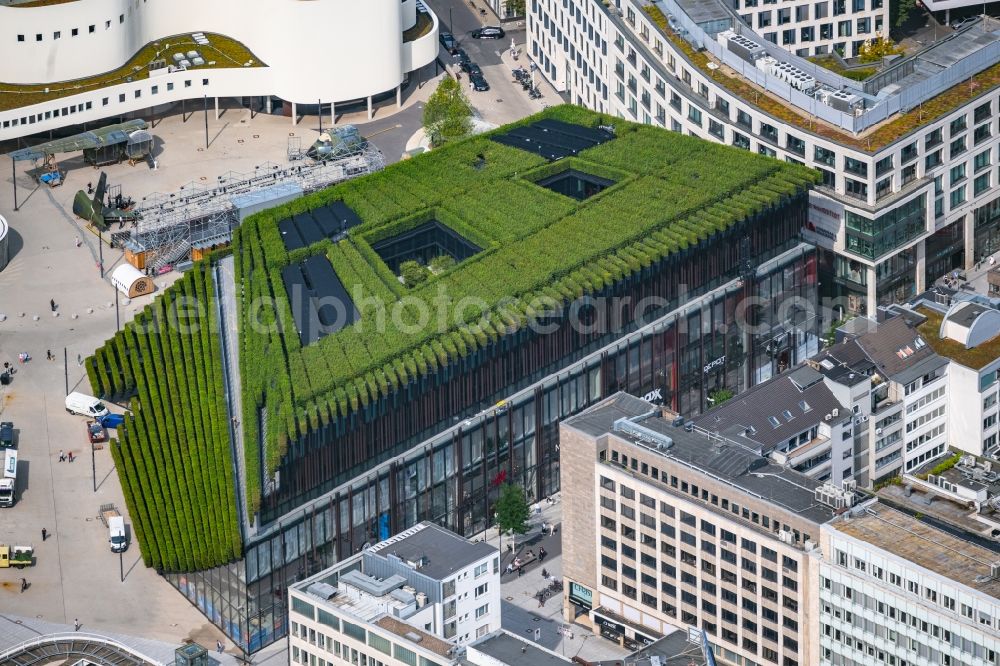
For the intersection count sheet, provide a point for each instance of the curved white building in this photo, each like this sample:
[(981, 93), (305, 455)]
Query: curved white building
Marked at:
[(302, 51)]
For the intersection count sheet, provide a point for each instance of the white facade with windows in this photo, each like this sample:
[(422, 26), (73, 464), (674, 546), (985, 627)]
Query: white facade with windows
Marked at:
[(816, 28), (410, 600), (327, 50), (889, 594), (889, 219)]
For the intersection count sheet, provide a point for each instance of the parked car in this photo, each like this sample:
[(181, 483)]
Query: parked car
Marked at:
[(958, 24), (489, 32), (7, 435), (474, 69), (85, 405), (112, 420), (448, 41), (478, 83), (96, 432), (460, 54)]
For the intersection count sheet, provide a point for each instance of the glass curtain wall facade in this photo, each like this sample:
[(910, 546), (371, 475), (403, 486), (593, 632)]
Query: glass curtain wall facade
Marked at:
[(873, 238), (454, 477), (987, 230)]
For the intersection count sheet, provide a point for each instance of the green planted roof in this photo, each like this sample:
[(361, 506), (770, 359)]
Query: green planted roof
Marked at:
[(540, 248)]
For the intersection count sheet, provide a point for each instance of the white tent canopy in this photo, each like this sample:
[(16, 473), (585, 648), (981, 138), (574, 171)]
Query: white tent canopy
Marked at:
[(130, 281)]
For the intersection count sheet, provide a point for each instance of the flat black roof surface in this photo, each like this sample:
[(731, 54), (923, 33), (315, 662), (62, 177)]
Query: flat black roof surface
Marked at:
[(320, 303), (443, 551), (307, 228), (553, 139)]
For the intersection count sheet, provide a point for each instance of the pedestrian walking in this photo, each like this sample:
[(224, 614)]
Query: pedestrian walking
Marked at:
[(52, 304), (79, 359), (76, 240), (219, 647), (62, 456), (48, 354), (552, 529), (520, 570), (24, 585), (45, 534), (76, 625), (545, 528), (541, 554), (71, 456)]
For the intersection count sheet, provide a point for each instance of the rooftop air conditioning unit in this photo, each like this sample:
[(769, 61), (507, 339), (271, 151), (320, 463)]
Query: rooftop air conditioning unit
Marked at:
[(828, 417), (835, 411)]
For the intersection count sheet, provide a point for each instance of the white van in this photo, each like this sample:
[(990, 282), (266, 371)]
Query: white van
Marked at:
[(85, 405)]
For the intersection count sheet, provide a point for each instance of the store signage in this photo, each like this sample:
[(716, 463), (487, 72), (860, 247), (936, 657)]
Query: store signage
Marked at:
[(715, 364), (824, 221), (655, 396), (581, 596)]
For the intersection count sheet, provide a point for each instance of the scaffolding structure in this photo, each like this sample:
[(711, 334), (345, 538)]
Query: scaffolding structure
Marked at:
[(170, 225)]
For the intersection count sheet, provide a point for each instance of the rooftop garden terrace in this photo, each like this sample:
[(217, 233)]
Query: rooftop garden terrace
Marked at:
[(220, 52), (872, 140), (516, 248), (975, 358)]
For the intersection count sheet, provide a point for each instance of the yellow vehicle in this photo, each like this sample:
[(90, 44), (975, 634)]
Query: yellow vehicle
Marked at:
[(16, 556)]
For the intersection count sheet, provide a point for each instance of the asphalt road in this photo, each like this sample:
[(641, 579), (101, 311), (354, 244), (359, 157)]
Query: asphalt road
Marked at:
[(505, 101)]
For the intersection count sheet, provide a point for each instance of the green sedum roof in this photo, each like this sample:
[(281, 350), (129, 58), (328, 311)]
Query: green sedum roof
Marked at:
[(540, 249)]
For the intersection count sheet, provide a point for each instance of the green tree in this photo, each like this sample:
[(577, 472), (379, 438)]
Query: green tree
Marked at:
[(512, 511), (719, 396), (514, 8), (448, 114), (900, 11), (412, 273), (441, 263)]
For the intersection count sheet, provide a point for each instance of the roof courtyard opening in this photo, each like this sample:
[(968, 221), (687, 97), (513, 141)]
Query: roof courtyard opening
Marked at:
[(576, 184), (423, 243)]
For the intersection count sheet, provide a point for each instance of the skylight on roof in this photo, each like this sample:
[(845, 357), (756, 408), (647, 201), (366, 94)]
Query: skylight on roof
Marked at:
[(788, 415), (804, 406), (774, 421)]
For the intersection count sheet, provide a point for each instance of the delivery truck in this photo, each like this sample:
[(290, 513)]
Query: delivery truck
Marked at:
[(8, 480), (115, 523), (16, 556)]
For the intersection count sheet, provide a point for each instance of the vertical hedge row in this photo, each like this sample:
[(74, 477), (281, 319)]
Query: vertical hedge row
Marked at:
[(173, 454)]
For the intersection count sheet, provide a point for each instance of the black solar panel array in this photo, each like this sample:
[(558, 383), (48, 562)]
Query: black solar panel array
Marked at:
[(319, 301), (553, 139), (306, 228)]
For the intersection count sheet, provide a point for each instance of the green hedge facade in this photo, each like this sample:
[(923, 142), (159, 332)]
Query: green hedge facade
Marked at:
[(173, 454)]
